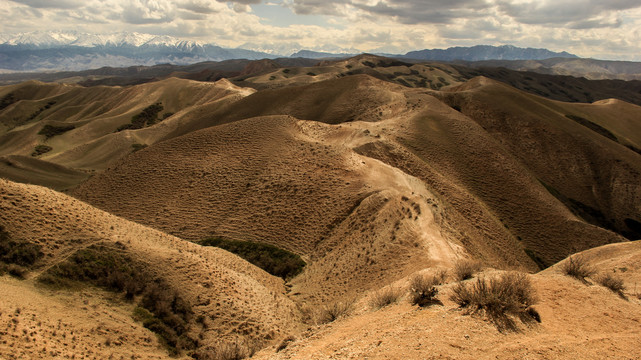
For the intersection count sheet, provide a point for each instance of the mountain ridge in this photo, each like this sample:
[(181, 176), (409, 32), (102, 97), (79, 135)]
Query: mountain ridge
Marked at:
[(69, 51)]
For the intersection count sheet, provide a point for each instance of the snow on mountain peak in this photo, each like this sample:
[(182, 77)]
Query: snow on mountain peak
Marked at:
[(47, 39)]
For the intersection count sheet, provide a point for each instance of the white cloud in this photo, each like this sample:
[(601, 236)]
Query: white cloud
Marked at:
[(585, 27)]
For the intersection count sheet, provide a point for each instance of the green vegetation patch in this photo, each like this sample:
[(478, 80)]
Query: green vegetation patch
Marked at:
[(160, 308), (50, 131), (41, 149), (39, 111), (7, 100), (592, 126), (16, 255), (272, 259), (147, 117)]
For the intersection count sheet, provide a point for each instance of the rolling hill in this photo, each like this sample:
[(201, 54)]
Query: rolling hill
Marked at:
[(373, 170)]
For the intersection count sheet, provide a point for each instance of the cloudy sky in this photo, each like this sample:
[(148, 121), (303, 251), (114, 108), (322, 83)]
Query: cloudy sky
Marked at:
[(606, 29)]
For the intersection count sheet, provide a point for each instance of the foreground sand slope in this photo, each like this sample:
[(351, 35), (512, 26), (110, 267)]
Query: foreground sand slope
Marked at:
[(234, 298), (578, 320)]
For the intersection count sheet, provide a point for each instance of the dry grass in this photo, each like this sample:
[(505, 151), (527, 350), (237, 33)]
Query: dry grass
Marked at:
[(612, 282), (423, 289), (335, 311), (236, 350), (500, 298), (577, 267), (385, 297), (465, 269)]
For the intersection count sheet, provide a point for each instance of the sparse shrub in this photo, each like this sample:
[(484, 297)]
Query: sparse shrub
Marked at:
[(7, 100), (124, 127), (235, 350), (577, 267), (441, 276), (147, 117), (499, 298), (369, 64), (593, 126), (52, 130), (465, 269), (385, 297), (286, 71), (612, 282), (336, 310), (311, 74), (276, 261), (423, 289), (160, 309), (18, 252), (41, 149)]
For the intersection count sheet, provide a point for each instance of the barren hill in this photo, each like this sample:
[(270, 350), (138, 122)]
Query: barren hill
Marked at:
[(579, 152), (88, 129), (373, 170), (227, 297)]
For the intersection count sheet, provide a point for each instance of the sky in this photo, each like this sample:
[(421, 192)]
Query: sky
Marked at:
[(604, 29)]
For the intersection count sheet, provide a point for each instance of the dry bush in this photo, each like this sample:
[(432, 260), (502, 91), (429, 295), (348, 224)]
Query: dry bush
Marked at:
[(385, 297), (500, 299), (336, 310), (465, 269), (441, 276), (423, 289), (236, 350), (577, 267), (612, 282)]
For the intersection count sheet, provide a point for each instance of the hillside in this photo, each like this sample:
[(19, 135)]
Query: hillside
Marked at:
[(577, 320), (88, 129), (589, 68), (228, 298), (574, 152), (374, 174)]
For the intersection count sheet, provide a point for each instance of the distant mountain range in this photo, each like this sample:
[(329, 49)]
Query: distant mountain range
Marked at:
[(486, 52), (74, 51)]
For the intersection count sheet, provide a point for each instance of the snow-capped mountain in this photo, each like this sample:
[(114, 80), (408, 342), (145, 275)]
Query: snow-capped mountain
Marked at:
[(53, 39), (72, 51)]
